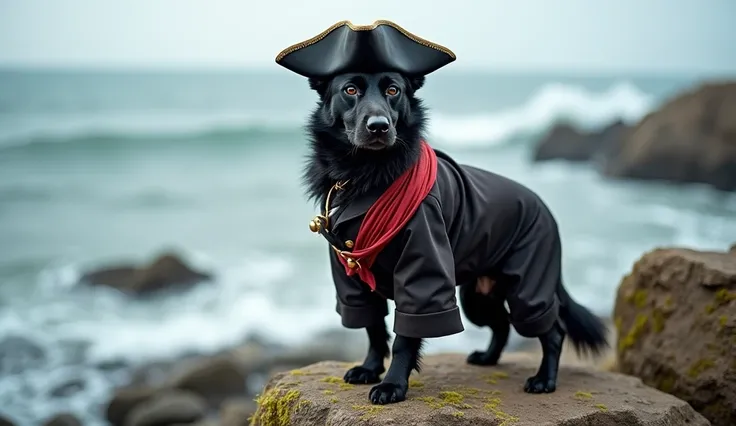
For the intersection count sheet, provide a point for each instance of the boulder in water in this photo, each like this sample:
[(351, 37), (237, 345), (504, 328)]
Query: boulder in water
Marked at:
[(165, 272), (565, 142), (168, 408), (63, 419), (690, 139), (19, 354)]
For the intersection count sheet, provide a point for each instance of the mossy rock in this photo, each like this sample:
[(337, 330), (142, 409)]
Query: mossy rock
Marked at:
[(450, 392), (675, 314)]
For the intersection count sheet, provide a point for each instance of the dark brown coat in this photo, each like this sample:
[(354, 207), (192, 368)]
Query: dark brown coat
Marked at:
[(473, 223)]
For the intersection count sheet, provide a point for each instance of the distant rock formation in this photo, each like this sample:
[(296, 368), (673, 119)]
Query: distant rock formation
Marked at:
[(166, 271), (565, 142), (450, 392), (691, 138), (676, 319)]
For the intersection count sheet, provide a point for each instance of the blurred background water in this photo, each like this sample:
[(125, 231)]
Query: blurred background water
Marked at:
[(102, 164)]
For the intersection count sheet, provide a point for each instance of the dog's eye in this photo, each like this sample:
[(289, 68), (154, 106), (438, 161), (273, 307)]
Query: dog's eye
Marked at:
[(392, 91), (351, 90)]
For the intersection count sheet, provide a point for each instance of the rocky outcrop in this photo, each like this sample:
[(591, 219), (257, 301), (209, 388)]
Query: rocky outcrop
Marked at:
[(165, 272), (226, 383), (19, 354), (168, 408), (691, 138), (64, 419), (676, 319), (213, 378), (451, 392), (565, 142)]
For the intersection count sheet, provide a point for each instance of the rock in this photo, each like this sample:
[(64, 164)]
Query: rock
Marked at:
[(124, 401), (213, 378), (18, 354), (168, 408), (63, 420), (237, 412), (691, 138), (676, 317), (67, 388), (451, 392), (4, 421), (565, 142), (167, 271)]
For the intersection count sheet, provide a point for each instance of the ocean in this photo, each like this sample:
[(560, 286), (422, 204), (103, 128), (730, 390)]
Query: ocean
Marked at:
[(102, 167)]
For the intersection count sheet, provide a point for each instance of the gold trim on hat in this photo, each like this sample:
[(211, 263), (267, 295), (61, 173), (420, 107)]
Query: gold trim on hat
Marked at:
[(293, 48)]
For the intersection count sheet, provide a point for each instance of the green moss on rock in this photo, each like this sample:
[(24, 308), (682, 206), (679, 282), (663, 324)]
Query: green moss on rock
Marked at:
[(725, 296), (636, 331), (415, 384), (699, 366), (583, 395), (638, 298), (275, 407), (368, 410), (658, 320), (492, 405)]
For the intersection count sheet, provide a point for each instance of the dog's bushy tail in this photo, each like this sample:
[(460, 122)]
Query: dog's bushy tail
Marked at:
[(587, 332)]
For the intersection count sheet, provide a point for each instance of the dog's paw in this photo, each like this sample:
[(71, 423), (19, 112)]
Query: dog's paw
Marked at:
[(361, 375), (387, 393), (537, 384), (482, 358)]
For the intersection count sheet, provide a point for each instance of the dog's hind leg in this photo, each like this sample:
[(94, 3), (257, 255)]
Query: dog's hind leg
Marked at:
[(372, 367), (406, 356), (486, 311), (545, 381)]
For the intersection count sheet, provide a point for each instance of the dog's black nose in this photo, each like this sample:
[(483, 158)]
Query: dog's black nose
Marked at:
[(377, 123)]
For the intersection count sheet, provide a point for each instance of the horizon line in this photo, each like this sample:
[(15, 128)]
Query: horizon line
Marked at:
[(500, 69)]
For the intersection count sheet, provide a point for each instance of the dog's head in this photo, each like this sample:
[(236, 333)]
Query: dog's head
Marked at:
[(371, 112)]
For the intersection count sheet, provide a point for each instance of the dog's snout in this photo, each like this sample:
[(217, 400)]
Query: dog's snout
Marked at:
[(377, 123)]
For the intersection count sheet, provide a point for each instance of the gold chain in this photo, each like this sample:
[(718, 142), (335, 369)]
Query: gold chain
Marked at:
[(316, 224)]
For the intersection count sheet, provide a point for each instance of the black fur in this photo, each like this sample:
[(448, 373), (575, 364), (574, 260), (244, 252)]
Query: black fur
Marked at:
[(486, 311), (333, 157), (345, 147), (372, 367), (587, 332)]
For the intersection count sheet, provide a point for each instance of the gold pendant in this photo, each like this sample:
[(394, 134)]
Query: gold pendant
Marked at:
[(351, 263)]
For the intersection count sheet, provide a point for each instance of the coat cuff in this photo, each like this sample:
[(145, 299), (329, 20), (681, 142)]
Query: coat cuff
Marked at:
[(540, 325), (361, 316), (423, 326)]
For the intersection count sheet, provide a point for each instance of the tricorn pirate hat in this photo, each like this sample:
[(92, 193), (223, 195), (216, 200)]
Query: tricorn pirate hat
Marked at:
[(379, 47)]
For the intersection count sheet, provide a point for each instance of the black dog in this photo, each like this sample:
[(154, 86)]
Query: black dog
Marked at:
[(367, 130)]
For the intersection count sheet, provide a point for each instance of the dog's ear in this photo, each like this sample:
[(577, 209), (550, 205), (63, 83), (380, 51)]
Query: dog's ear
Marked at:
[(416, 83), (319, 86)]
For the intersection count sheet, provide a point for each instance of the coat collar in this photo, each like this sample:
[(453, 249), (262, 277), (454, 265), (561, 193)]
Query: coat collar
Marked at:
[(358, 207)]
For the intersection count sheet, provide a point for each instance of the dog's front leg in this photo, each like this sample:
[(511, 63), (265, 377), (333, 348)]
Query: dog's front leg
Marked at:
[(406, 357), (372, 367)]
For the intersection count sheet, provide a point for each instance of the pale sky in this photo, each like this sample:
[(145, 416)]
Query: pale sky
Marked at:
[(612, 35)]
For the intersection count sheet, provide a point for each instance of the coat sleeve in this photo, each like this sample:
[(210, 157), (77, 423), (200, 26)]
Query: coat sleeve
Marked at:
[(424, 278), (357, 305)]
